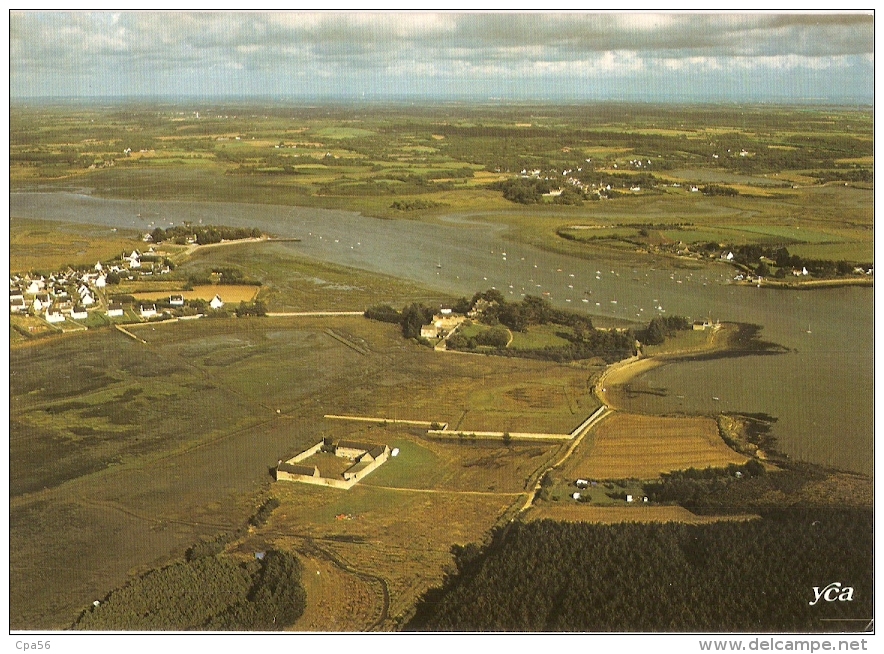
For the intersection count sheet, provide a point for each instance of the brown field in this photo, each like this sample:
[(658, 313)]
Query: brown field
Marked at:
[(629, 445), (573, 512), (381, 534), (337, 600), (228, 293)]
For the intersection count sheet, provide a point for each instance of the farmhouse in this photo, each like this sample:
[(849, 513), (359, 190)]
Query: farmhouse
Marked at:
[(366, 458), (216, 302), (148, 310), (115, 310), (295, 469), (176, 300), (79, 313)]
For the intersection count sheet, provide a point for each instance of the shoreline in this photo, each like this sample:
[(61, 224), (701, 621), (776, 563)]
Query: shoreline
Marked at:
[(622, 372), (809, 284)]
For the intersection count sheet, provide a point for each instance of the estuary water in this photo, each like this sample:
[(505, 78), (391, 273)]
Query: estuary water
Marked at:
[(820, 392)]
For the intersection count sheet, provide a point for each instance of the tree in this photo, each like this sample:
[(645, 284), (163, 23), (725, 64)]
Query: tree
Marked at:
[(762, 270)]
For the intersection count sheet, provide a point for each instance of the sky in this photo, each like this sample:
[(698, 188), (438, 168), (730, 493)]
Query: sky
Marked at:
[(351, 55)]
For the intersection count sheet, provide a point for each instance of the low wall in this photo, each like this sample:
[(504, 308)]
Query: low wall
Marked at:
[(306, 454), (316, 481), (497, 435)]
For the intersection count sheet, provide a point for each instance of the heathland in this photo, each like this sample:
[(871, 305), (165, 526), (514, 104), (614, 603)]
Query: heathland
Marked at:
[(127, 453)]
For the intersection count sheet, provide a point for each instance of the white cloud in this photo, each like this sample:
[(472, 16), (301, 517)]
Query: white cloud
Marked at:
[(426, 46)]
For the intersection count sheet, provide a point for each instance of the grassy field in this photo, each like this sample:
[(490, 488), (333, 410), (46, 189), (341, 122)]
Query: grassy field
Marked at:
[(36, 245), (171, 441)]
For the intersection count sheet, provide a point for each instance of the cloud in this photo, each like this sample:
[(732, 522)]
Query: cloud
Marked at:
[(143, 46)]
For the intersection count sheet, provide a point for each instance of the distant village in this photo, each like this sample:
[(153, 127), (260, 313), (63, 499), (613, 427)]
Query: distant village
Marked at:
[(74, 298)]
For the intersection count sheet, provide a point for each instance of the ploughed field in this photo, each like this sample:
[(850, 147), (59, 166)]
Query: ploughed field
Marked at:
[(629, 445)]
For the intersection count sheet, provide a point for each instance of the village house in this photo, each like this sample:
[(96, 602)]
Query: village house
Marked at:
[(114, 310), (41, 301), (176, 300), (216, 302), (134, 259), (18, 305), (53, 315), (147, 310), (79, 313), (35, 286)]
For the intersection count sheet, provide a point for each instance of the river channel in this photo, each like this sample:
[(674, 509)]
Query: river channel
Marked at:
[(820, 391)]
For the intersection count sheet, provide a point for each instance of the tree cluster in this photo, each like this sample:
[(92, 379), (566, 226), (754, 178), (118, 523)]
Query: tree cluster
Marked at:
[(203, 234), (662, 327), (256, 308), (210, 592), (754, 575)]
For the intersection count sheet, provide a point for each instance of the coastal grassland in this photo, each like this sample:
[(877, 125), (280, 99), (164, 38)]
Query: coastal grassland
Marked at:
[(167, 442), (636, 446), (46, 246), (403, 537)]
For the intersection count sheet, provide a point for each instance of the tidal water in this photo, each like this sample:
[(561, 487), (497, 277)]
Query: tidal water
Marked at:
[(820, 391)]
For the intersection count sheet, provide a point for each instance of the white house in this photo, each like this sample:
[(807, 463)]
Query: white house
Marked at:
[(176, 300), (35, 286), (54, 315), (98, 266), (216, 302), (16, 294), (87, 299), (429, 331), (148, 310), (17, 306), (100, 281), (114, 310), (79, 313), (41, 301)]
